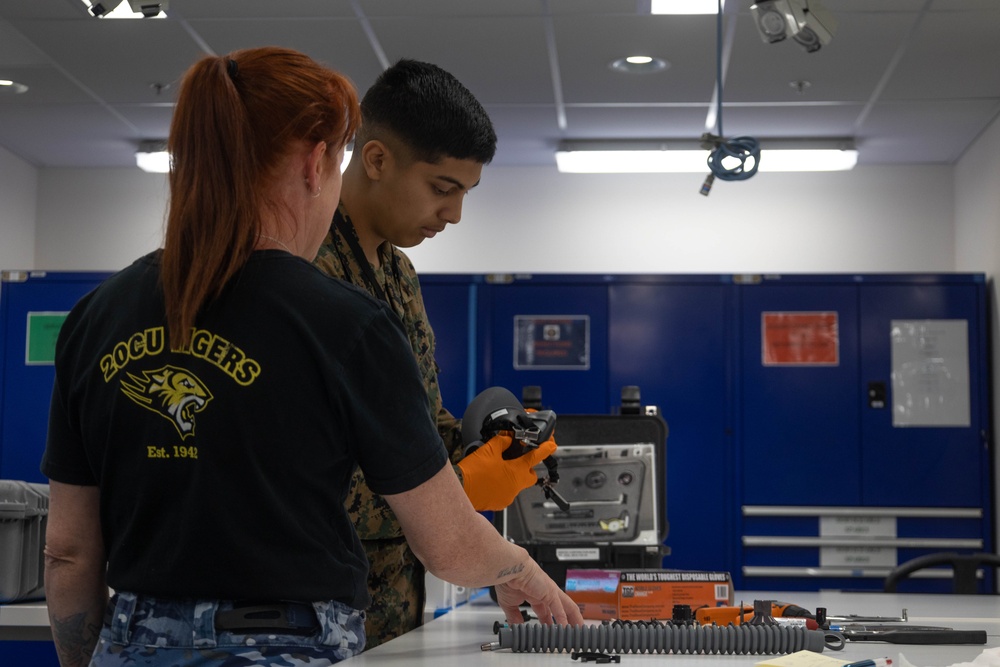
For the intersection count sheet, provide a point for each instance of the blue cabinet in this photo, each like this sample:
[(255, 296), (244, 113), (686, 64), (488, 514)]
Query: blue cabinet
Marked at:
[(838, 484), (662, 333), (31, 303), (786, 464)]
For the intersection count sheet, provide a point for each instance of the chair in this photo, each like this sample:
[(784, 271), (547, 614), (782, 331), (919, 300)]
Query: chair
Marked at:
[(964, 566)]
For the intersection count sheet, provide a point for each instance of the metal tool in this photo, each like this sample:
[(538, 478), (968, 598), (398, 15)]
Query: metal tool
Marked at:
[(855, 618), (926, 635), (497, 410), (858, 627)]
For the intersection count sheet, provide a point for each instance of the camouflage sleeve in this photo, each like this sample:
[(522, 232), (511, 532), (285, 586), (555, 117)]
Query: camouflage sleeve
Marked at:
[(424, 345), (450, 428), (329, 261)]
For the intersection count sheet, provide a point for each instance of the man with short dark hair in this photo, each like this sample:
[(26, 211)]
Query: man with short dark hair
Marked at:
[(422, 145)]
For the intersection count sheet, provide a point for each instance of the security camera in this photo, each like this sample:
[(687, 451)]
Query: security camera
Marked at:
[(771, 18), (148, 8), (99, 9), (806, 21), (814, 24)]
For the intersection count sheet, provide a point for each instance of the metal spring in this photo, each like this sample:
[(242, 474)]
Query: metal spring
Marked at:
[(684, 639)]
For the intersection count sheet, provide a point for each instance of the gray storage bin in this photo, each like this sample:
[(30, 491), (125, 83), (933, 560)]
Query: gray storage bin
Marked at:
[(24, 509)]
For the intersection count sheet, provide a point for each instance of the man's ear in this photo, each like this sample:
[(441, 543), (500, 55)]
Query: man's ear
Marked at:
[(375, 156)]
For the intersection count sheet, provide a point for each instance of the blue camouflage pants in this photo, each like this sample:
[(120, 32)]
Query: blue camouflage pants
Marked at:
[(151, 632)]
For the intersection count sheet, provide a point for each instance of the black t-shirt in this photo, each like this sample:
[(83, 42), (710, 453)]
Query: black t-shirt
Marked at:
[(223, 467)]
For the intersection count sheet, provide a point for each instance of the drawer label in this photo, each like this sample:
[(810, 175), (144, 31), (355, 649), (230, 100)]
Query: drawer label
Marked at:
[(857, 526), (577, 554), (856, 557)]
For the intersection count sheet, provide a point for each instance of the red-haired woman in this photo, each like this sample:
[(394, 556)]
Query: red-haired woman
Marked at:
[(213, 398)]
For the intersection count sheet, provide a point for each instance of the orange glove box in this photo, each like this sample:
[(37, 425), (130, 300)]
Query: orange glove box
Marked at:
[(645, 594)]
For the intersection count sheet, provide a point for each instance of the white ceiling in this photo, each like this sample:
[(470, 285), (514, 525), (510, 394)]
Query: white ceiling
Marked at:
[(912, 81)]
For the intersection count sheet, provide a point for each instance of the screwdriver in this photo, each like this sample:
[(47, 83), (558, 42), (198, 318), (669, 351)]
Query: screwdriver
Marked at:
[(911, 636)]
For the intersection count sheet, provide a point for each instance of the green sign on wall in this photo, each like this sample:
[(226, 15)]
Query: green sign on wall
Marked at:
[(43, 330)]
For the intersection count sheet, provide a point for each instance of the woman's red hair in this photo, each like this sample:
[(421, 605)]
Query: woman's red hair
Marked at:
[(236, 118)]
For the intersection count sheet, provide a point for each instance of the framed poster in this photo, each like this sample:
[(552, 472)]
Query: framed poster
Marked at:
[(553, 342)]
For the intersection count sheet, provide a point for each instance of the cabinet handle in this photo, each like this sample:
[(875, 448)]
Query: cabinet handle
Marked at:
[(937, 543), (866, 572), (929, 512)]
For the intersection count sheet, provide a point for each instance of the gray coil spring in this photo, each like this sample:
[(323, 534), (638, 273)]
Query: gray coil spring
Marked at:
[(684, 639)]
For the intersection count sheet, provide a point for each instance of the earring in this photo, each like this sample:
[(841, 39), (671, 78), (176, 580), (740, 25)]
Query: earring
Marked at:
[(319, 189)]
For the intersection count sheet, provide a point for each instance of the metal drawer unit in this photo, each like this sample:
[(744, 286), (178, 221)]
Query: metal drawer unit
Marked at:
[(810, 547)]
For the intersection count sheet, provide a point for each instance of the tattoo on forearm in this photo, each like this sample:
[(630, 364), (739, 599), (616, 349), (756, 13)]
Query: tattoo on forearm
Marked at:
[(75, 639), (510, 570)]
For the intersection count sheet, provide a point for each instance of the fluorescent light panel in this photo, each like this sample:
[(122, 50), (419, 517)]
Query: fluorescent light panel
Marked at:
[(695, 161), (11, 87), (685, 6), (158, 162), (155, 162)]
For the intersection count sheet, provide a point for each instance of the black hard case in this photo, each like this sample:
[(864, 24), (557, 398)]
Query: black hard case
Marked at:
[(583, 433)]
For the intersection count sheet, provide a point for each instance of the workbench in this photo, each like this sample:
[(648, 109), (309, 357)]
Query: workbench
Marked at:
[(454, 639), (26, 621)]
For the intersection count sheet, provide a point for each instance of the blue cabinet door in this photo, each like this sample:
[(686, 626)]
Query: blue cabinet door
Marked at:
[(27, 381), (800, 422), (25, 392), (669, 338), (550, 332), (450, 301), (945, 465)]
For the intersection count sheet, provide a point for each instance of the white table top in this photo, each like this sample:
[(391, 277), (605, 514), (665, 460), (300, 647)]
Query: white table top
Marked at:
[(25, 620), (454, 639)]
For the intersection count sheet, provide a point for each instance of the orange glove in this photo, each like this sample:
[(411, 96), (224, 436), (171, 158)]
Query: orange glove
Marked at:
[(492, 482)]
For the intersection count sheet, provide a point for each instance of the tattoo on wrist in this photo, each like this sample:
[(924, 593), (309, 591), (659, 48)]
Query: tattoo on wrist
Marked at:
[(75, 638), (514, 569)]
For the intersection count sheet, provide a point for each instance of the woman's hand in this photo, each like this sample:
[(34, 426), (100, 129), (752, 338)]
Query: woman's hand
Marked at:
[(548, 601)]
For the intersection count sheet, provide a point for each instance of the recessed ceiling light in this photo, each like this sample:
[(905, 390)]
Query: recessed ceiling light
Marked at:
[(639, 64), (8, 87)]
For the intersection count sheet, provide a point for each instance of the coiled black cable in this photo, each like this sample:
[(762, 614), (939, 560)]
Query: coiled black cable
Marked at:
[(660, 638), (742, 149)]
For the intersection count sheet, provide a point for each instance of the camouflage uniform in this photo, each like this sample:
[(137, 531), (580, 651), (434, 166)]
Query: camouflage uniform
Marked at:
[(147, 632), (396, 577)]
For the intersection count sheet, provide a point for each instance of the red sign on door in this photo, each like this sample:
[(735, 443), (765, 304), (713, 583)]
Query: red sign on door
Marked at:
[(800, 339)]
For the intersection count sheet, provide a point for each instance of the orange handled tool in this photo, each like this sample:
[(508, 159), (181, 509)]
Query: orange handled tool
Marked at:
[(743, 613)]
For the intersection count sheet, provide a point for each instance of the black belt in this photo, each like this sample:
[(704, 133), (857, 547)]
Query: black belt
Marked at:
[(286, 618)]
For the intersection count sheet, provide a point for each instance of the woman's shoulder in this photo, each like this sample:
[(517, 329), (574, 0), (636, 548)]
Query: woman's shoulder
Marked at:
[(133, 279), (307, 286)]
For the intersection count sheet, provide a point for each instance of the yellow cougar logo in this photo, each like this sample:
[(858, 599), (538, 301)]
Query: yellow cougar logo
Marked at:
[(171, 392)]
